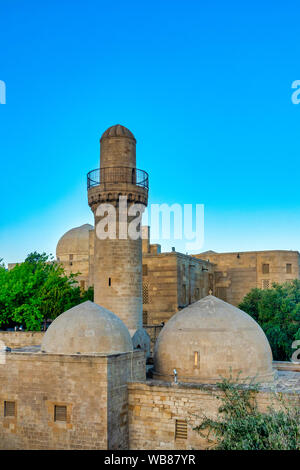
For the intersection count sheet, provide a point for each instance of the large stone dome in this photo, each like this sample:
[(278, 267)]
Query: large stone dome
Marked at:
[(75, 241), (117, 131), (209, 340), (87, 329)]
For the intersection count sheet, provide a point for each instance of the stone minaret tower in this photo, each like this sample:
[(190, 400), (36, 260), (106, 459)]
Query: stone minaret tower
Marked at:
[(118, 261)]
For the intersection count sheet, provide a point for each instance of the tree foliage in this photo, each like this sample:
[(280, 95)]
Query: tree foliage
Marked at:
[(37, 290), (277, 311), (241, 426)]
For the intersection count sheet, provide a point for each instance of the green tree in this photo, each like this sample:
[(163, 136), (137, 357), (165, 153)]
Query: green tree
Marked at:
[(241, 426), (277, 311), (37, 290)]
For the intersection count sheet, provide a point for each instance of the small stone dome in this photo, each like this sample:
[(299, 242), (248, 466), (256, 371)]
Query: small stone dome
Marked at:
[(87, 329), (75, 241), (118, 131), (210, 340)]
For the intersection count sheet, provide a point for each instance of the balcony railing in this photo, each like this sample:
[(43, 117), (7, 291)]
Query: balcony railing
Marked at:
[(118, 175)]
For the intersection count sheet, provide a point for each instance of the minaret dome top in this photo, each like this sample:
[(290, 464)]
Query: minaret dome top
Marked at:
[(117, 131)]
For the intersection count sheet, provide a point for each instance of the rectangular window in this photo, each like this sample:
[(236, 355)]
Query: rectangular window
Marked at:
[(60, 413), (265, 268), (288, 268), (10, 408), (109, 282), (180, 429), (145, 270)]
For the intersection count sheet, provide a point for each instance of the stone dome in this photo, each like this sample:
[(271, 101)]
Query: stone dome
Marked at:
[(87, 329), (209, 340), (75, 241), (118, 131)]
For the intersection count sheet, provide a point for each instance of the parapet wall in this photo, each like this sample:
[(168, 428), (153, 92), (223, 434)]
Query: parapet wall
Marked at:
[(19, 339), (154, 408)]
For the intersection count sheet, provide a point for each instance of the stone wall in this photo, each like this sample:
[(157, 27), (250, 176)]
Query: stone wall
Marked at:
[(78, 264), (38, 382), (159, 287), (172, 281), (118, 371), (237, 273), (19, 339), (155, 406)]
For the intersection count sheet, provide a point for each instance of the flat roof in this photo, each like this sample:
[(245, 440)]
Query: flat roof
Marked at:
[(211, 252)]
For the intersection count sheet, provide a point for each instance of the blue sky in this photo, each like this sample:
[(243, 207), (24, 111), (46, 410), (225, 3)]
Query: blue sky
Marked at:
[(204, 86)]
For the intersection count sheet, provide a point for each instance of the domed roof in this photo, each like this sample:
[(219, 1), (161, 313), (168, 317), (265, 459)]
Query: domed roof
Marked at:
[(87, 329), (117, 131), (75, 241), (210, 340)]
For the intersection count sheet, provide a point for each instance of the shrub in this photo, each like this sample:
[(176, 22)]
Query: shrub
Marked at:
[(241, 426)]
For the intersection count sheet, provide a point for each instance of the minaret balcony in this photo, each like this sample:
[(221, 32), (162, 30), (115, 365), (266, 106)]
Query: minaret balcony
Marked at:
[(109, 183), (117, 175)]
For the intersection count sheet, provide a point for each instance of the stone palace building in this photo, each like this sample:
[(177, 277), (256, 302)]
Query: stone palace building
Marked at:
[(172, 280)]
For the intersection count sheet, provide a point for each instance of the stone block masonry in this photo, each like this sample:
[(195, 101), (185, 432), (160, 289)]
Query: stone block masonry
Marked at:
[(37, 383)]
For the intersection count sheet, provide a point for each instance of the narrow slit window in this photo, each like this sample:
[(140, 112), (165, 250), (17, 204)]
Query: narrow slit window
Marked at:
[(109, 281), (196, 358), (183, 294)]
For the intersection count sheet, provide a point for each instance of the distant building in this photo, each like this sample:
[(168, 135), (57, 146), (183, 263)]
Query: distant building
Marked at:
[(173, 280), (235, 274)]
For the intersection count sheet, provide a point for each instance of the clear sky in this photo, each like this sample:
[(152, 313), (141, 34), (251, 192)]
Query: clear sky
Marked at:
[(204, 86)]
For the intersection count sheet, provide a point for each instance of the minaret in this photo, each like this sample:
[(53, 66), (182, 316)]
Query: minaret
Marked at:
[(118, 259)]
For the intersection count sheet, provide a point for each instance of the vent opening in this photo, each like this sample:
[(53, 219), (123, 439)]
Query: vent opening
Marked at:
[(265, 283), (180, 429)]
